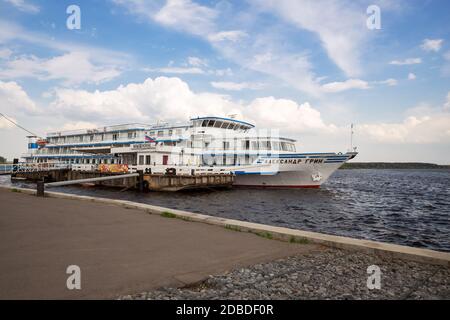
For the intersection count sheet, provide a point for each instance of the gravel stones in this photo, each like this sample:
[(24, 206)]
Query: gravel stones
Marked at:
[(329, 274)]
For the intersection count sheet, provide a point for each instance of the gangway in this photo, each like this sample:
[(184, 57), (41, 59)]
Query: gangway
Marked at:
[(41, 185)]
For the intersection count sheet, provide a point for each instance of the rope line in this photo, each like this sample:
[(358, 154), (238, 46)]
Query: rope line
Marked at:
[(19, 126)]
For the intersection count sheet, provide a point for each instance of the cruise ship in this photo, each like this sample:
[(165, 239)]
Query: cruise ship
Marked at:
[(257, 158)]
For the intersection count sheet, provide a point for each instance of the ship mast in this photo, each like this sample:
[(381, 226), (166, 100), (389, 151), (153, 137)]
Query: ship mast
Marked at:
[(351, 137)]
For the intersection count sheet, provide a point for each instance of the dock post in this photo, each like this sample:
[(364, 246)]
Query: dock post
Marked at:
[(141, 180), (40, 189), (15, 166)]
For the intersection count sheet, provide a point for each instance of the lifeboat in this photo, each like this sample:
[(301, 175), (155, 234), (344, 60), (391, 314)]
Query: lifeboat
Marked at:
[(41, 143)]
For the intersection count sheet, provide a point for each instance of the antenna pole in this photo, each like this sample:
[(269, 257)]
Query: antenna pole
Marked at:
[(351, 137)]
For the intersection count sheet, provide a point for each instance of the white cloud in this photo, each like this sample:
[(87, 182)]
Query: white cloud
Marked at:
[(73, 68), (341, 35), (194, 65), (233, 36), (161, 98), (447, 102), (14, 99), (432, 45), (345, 85), (76, 63), (182, 15), (222, 72), (286, 114), (294, 69), (423, 125), (76, 126), (188, 16), (175, 70), (10, 31), (5, 53), (340, 26), (197, 62), (24, 6), (236, 86), (390, 82), (445, 70), (447, 56), (408, 61), (5, 124), (416, 130), (171, 99), (411, 76)]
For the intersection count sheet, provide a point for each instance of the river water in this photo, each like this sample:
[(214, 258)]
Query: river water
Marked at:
[(408, 207)]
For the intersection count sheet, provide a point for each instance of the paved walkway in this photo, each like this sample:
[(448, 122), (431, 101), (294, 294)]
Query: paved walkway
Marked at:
[(120, 251)]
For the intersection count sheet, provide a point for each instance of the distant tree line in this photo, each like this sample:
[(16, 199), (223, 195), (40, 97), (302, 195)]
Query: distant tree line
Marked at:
[(393, 165), (2, 159)]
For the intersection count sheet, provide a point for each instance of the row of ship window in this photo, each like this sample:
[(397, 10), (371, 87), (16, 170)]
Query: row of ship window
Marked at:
[(220, 124), (161, 133), (245, 145), (92, 138), (92, 161), (255, 145), (113, 137)]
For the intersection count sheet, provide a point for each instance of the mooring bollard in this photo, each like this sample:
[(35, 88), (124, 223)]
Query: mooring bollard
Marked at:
[(40, 189), (141, 180)]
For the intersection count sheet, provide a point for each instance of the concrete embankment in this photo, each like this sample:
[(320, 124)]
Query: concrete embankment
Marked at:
[(125, 253)]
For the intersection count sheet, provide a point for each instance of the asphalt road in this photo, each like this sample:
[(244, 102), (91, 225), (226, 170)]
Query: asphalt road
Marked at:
[(119, 251)]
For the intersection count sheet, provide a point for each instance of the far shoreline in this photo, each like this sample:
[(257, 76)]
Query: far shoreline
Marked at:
[(393, 165)]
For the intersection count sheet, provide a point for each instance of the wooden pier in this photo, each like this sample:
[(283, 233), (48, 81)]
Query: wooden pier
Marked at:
[(151, 182), (159, 182)]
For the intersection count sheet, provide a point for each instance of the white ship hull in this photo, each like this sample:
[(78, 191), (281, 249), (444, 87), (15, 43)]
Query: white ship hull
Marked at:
[(296, 171)]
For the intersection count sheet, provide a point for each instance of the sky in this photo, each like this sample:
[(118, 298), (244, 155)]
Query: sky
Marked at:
[(309, 68)]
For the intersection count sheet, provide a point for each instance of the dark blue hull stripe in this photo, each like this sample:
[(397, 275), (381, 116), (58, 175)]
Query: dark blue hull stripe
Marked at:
[(87, 145), (241, 173), (69, 157)]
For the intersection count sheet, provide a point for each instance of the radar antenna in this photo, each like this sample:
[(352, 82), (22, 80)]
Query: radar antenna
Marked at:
[(352, 149)]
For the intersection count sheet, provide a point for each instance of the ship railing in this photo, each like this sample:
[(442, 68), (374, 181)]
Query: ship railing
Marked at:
[(84, 167), (38, 167), (120, 127), (179, 169)]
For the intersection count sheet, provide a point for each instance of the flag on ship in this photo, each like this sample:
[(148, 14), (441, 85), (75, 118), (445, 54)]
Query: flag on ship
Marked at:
[(149, 139)]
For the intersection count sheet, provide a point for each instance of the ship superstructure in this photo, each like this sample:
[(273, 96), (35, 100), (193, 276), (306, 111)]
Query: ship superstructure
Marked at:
[(258, 158)]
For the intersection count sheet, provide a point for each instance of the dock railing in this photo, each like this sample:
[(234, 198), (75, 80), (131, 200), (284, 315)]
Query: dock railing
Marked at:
[(6, 168)]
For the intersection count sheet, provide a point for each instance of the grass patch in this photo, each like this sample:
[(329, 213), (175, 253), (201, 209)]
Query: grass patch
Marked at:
[(168, 214), (15, 190), (233, 228), (266, 235), (293, 239)]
